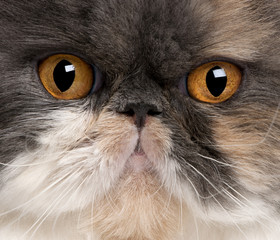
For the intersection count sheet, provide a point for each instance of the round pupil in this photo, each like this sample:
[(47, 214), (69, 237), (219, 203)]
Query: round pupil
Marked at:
[(64, 75), (216, 81)]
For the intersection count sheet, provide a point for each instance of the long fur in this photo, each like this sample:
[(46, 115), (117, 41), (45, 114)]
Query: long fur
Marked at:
[(82, 169)]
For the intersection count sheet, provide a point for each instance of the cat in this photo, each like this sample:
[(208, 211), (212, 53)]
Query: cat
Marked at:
[(140, 119)]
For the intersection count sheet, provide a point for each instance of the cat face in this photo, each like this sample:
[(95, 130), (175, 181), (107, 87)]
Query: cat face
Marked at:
[(138, 146)]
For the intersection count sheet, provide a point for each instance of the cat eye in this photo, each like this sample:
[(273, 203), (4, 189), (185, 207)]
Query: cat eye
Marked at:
[(214, 82), (68, 77)]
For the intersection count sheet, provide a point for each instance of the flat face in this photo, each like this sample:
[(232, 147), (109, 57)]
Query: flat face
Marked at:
[(130, 144)]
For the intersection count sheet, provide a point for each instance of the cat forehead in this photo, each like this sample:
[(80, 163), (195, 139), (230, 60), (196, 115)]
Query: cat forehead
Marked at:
[(165, 35)]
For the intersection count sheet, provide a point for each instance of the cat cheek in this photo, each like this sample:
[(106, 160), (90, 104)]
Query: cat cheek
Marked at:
[(253, 165)]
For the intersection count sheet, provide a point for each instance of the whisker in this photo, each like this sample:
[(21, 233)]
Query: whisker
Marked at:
[(158, 189), (194, 188), (221, 163), (92, 212), (62, 152), (55, 202), (233, 198), (264, 137), (229, 215), (48, 211), (181, 214), (79, 217), (224, 190), (264, 215), (26, 165), (196, 227), (37, 196), (76, 190), (22, 205), (207, 180)]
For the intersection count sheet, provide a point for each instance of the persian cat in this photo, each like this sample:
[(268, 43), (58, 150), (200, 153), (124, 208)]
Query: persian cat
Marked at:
[(140, 120)]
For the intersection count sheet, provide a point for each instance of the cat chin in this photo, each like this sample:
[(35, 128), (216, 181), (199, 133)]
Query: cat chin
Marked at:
[(138, 163), (137, 208)]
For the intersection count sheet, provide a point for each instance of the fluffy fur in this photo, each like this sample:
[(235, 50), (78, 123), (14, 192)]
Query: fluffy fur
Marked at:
[(82, 169)]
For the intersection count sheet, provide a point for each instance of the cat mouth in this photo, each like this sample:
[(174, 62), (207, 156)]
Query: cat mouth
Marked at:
[(138, 148), (138, 160)]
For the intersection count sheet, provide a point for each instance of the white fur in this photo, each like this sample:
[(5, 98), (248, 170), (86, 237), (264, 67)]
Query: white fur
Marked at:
[(51, 192)]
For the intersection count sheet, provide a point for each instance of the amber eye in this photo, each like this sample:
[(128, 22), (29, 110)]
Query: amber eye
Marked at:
[(214, 82), (67, 77)]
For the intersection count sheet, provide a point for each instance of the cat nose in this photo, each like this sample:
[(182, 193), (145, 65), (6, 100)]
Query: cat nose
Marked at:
[(139, 112)]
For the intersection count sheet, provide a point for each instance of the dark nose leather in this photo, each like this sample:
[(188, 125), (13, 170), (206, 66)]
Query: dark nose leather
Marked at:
[(140, 111)]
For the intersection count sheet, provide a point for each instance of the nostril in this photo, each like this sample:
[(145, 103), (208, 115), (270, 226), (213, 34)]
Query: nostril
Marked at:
[(153, 112), (129, 112), (139, 112)]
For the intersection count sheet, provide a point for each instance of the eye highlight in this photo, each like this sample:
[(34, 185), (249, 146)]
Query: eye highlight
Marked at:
[(68, 77), (214, 82)]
